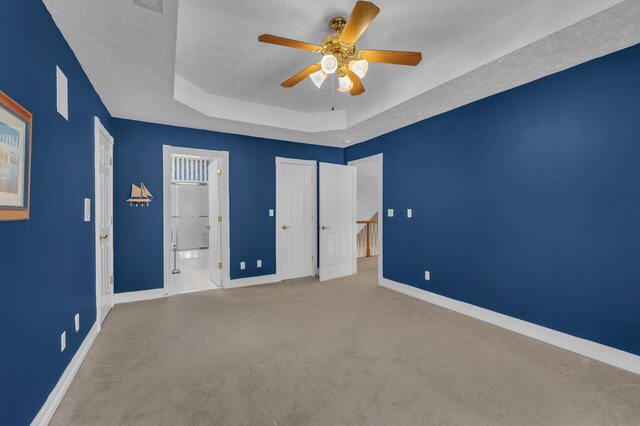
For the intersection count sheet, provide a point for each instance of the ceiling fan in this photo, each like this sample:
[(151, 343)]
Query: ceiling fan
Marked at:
[(339, 53)]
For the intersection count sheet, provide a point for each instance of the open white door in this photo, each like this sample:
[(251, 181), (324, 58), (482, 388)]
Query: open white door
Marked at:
[(215, 261), (103, 218), (337, 221)]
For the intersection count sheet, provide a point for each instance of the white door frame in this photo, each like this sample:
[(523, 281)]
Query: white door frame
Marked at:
[(167, 152), (314, 209), (376, 159), (99, 128)]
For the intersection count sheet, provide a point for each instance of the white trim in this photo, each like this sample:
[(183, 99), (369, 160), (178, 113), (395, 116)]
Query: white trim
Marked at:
[(378, 158), (167, 151), (137, 296), (97, 129), (597, 351), (314, 208), (51, 404), (250, 281)]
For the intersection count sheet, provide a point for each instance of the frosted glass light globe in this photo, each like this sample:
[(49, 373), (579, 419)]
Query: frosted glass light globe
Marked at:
[(329, 64)]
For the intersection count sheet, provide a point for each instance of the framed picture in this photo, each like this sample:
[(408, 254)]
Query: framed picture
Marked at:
[(15, 159)]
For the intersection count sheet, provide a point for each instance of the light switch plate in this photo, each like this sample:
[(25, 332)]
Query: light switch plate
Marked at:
[(87, 209), (259, 263), (63, 341), (390, 212), (409, 213), (76, 320), (270, 212), (242, 265)]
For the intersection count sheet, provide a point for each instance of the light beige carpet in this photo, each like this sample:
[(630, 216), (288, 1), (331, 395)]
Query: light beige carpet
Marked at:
[(335, 353)]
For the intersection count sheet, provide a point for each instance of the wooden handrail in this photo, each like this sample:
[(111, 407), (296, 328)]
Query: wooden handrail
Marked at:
[(367, 221)]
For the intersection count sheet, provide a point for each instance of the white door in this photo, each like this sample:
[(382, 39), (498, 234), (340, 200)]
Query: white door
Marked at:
[(295, 219), (104, 222), (337, 221), (215, 261)]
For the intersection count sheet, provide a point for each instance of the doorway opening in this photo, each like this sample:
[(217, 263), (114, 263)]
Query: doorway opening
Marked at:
[(196, 221), (369, 213)]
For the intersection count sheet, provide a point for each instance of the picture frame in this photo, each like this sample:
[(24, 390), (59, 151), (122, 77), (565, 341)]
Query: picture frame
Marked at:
[(15, 160)]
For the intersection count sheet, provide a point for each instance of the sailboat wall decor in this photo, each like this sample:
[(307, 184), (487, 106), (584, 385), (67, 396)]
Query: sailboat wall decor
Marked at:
[(140, 195)]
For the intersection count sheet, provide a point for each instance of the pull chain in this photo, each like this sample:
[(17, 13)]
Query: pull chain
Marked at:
[(333, 107)]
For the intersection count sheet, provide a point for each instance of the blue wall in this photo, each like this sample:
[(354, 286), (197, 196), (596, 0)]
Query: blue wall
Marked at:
[(138, 232), (526, 203), (46, 263)]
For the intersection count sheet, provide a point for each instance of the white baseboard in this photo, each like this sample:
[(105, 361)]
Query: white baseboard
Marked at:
[(137, 296), (249, 281), (616, 357), (51, 404)]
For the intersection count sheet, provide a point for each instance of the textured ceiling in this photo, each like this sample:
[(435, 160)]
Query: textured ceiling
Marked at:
[(135, 58), (218, 50)]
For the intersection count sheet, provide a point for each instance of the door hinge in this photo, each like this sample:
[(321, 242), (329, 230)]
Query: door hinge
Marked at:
[(312, 258), (220, 265), (111, 161), (110, 220), (219, 172), (219, 218), (111, 280), (312, 178)]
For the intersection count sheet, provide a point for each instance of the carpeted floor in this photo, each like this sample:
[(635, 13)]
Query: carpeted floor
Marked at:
[(335, 353)]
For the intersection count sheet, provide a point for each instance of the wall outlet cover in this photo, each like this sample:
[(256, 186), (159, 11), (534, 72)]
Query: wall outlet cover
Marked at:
[(242, 265), (390, 213), (271, 212), (76, 320), (259, 263), (427, 275), (63, 341), (409, 213)]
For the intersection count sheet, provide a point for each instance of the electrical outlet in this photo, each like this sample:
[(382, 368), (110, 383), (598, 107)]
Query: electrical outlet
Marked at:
[(427, 275), (409, 213), (63, 341), (270, 212), (242, 265), (390, 212), (259, 263), (77, 322)]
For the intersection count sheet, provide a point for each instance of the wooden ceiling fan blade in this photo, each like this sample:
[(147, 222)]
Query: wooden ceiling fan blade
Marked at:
[(392, 57), (361, 17), (357, 88), (301, 75), (287, 42)]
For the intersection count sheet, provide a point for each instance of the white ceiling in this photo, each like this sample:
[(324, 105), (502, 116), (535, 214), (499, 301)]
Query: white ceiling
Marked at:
[(199, 63), (218, 50)]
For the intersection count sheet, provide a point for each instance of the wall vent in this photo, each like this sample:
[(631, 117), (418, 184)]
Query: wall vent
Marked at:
[(150, 4)]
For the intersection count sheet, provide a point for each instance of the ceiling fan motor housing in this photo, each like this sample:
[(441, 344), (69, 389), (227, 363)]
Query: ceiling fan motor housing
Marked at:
[(343, 52)]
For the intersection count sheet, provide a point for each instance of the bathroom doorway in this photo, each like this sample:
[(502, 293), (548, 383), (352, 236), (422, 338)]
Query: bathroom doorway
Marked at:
[(195, 223)]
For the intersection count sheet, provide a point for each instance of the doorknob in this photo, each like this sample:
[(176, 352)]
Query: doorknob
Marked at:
[(324, 227), (285, 227), (104, 237), (207, 227)]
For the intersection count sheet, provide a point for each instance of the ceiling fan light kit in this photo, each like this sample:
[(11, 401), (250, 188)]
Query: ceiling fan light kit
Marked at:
[(344, 83), (339, 53), (318, 78), (329, 64)]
